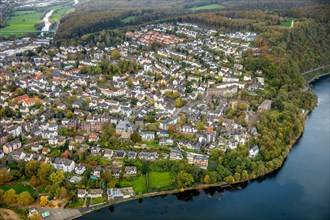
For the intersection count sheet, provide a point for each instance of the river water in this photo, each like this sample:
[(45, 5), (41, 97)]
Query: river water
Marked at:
[(46, 21), (297, 191)]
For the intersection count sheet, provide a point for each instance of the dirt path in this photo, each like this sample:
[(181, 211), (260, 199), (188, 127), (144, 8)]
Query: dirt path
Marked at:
[(8, 214)]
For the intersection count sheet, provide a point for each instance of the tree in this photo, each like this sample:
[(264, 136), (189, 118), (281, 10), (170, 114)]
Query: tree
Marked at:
[(10, 196), (43, 201), (31, 168), (44, 172), (200, 126), (229, 179), (184, 179), (115, 54), (207, 179), (24, 198), (5, 176), (135, 137), (34, 181), (57, 177), (178, 103), (2, 192)]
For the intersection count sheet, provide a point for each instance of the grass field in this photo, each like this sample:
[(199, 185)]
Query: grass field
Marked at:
[(159, 179), (23, 21), (129, 19), (18, 188), (287, 23), (57, 15), (96, 201), (139, 184), (207, 7)]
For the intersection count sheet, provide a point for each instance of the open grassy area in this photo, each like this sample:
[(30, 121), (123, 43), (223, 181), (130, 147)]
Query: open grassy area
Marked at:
[(139, 184), (75, 205), (207, 7), (287, 23), (96, 201), (129, 19), (159, 179), (18, 188), (23, 21), (56, 16)]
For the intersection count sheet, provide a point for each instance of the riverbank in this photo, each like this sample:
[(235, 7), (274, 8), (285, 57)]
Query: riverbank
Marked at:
[(223, 185)]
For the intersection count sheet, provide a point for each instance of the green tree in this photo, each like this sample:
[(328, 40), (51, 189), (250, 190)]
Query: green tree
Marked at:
[(10, 196), (135, 137), (57, 177), (184, 179), (115, 54), (5, 176), (2, 193), (31, 168), (200, 126), (44, 172), (24, 198), (229, 179)]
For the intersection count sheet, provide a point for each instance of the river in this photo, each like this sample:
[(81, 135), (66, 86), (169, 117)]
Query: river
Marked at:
[(46, 21), (297, 191)]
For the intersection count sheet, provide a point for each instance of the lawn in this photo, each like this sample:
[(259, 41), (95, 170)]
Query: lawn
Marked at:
[(23, 21), (128, 19), (18, 188), (159, 179), (75, 205), (139, 184), (207, 7), (96, 201), (287, 23), (57, 15)]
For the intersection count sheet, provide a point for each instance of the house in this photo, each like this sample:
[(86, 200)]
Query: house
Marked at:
[(93, 137), (66, 165), (95, 193), (176, 154), (131, 155), (3, 137), (114, 193), (119, 154), (147, 135), (198, 159), (1, 154), (96, 172), (130, 171), (253, 152), (115, 171), (148, 156), (123, 193), (11, 146), (124, 129), (81, 193), (171, 121), (108, 153), (80, 169)]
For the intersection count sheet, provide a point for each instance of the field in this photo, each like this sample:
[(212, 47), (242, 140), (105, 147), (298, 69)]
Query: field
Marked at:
[(23, 21), (159, 179), (96, 201), (287, 23), (207, 7), (139, 184), (18, 188), (129, 19), (57, 15)]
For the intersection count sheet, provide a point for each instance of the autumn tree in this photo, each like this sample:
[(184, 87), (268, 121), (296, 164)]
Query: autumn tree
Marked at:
[(10, 196), (207, 179), (115, 54), (24, 198), (135, 137), (43, 200), (200, 126)]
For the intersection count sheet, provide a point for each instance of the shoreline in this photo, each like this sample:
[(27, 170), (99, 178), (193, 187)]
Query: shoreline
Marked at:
[(222, 185)]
